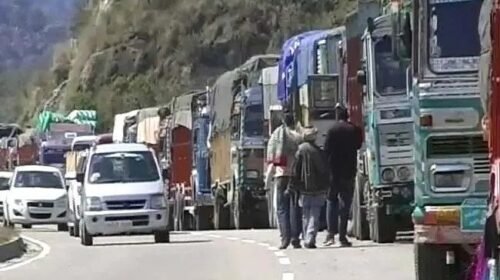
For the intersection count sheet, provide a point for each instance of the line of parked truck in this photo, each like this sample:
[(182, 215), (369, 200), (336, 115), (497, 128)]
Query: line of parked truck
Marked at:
[(408, 71)]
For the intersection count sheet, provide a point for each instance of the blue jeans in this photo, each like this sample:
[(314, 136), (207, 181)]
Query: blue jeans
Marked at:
[(288, 212), (311, 212), (338, 206)]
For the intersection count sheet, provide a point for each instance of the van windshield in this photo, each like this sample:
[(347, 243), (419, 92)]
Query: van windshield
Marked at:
[(124, 167), (38, 179)]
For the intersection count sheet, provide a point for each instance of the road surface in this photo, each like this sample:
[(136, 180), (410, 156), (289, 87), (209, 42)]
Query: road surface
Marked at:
[(221, 255)]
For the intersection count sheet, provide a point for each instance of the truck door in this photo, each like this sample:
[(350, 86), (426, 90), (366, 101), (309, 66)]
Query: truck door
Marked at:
[(181, 156)]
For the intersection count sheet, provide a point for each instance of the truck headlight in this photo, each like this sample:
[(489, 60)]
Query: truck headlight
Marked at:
[(404, 173), (158, 202), (93, 204), (388, 175), (18, 203)]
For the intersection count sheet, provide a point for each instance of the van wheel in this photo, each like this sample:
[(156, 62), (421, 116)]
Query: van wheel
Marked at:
[(62, 227), (85, 238), (162, 236), (76, 229), (26, 226), (71, 231)]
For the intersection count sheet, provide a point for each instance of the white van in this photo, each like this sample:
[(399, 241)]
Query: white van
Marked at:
[(123, 193)]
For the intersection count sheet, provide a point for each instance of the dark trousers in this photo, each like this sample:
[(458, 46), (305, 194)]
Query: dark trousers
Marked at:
[(288, 212), (338, 206)]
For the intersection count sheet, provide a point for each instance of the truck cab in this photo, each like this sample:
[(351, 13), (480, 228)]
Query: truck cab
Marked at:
[(451, 156), (385, 186)]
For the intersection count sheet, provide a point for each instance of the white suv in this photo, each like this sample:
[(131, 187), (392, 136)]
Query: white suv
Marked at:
[(123, 193), (37, 195)]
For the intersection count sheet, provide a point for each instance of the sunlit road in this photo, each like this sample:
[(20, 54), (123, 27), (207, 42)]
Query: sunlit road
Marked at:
[(222, 255)]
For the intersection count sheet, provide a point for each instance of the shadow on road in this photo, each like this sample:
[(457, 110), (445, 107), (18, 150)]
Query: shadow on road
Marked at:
[(150, 243)]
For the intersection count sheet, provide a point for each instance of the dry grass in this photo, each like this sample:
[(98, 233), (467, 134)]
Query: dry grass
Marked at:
[(7, 234)]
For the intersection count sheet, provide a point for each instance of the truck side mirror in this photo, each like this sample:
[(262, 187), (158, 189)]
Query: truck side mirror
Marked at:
[(361, 77), (80, 177)]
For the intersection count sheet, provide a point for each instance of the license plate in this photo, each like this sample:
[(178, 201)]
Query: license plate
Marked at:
[(448, 216), (39, 211), (120, 224)]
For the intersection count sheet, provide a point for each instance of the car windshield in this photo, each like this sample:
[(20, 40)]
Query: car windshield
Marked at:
[(449, 50), (390, 73), (38, 179), (4, 183), (126, 167), (254, 120)]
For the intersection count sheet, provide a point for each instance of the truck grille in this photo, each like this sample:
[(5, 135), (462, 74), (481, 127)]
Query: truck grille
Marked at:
[(396, 135), (40, 216), (125, 204), (461, 145)]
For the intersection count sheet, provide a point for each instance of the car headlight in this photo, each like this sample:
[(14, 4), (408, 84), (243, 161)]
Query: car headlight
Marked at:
[(18, 203), (388, 175), (404, 173), (158, 202), (93, 204), (61, 202)]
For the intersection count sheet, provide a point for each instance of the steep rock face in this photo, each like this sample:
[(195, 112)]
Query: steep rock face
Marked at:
[(137, 53)]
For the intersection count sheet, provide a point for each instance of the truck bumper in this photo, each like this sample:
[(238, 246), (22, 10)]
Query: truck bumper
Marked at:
[(445, 235), (400, 196)]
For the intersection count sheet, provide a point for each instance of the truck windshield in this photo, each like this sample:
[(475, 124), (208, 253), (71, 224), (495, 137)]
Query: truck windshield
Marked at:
[(125, 167), (254, 120), (4, 183), (390, 74), (453, 39), (38, 179)]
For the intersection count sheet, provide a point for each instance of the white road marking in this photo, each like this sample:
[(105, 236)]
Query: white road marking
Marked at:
[(45, 251), (271, 248), (279, 254), (248, 241), (284, 261), (214, 236), (264, 244), (233, 238), (287, 276)]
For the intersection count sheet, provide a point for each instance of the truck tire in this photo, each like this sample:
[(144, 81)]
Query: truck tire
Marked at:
[(162, 236), (202, 218), (382, 226), (85, 237), (360, 226), (76, 229), (430, 263), (71, 231)]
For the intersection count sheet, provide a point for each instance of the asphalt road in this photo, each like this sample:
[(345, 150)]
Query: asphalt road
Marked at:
[(221, 255)]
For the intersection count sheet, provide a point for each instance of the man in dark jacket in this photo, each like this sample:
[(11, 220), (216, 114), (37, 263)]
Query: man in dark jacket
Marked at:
[(310, 177), (342, 143)]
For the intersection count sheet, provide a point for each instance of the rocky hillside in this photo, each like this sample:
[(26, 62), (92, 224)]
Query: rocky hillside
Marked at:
[(28, 31), (137, 53)]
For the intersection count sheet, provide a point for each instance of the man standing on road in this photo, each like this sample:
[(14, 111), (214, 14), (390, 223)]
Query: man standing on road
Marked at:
[(342, 143), (311, 180), (283, 144)]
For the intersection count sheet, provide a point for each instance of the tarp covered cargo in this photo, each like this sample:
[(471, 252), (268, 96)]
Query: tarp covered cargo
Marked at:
[(119, 123), (269, 81), (220, 101), (307, 53), (286, 66), (181, 108), (148, 123), (47, 118), (485, 57)]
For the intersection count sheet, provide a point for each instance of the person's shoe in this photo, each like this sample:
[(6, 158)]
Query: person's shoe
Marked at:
[(345, 243), (310, 246), (296, 245), (329, 241), (284, 245)]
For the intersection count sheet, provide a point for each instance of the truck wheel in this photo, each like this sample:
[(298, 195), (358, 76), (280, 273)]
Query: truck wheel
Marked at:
[(202, 218), (430, 263), (382, 227), (71, 231), (26, 226), (360, 227), (76, 229), (162, 236), (62, 227), (85, 238)]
